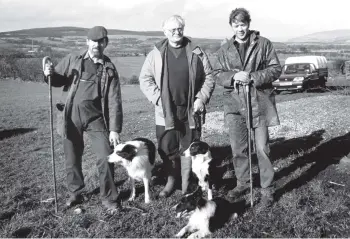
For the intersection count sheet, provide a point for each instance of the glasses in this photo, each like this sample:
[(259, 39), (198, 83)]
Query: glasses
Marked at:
[(179, 30)]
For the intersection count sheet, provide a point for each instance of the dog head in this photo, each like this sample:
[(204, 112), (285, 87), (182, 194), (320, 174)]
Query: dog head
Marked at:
[(126, 152), (198, 148), (123, 154), (189, 203)]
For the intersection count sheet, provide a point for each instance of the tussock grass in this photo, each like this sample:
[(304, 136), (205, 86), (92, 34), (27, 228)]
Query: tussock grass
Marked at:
[(305, 149)]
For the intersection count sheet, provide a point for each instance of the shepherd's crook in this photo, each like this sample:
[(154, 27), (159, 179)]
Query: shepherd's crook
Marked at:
[(47, 60), (249, 127)]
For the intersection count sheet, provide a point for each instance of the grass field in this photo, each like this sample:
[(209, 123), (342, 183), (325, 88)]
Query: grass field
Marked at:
[(128, 66), (313, 190)]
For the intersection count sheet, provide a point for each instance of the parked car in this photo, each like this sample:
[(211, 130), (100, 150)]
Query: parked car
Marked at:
[(301, 73)]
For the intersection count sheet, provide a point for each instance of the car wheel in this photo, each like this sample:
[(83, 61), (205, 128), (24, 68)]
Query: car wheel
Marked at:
[(322, 83)]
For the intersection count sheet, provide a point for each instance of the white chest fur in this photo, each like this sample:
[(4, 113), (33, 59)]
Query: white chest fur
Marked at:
[(200, 166)]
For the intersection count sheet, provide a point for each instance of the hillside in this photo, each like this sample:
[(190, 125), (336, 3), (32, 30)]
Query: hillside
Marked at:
[(334, 36), (71, 31), (61, 40)]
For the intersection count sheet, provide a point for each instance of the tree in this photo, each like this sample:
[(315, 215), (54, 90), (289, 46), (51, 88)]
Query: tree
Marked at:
[(303, 49)]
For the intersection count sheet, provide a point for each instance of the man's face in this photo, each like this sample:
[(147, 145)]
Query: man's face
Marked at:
[(240, 30), (174, 31), (96, 48)]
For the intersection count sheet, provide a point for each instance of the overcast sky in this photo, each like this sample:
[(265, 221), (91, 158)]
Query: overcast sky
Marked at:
[(278, 20)]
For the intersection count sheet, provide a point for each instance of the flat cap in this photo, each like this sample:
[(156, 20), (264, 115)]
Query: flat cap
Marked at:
[(96, 33)]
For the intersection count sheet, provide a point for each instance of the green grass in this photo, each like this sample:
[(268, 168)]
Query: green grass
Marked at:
[(128, 66), (307, 205)]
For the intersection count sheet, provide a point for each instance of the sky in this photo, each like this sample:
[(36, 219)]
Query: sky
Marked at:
[(278, 20)]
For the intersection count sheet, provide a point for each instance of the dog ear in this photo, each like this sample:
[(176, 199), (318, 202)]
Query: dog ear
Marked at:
[(201, 202), (128, 152)]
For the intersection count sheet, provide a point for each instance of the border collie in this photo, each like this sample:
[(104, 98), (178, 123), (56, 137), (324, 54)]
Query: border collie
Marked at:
[(202, 165), (138, 157), (205, 216)]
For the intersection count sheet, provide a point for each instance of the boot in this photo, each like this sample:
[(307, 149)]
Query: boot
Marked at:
[(186, 169), (239, 190), (267, 196), (74, 199), (170, 169)]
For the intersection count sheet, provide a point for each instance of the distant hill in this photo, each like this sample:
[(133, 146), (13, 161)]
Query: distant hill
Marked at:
[(71, 31), (61, 40), (334, 36)]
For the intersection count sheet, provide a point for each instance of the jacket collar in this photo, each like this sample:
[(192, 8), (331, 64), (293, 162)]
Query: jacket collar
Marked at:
[(85, 55), (162, 45), (253, 35)]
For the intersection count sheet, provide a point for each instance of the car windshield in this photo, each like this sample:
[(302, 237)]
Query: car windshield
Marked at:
[(296, 69)]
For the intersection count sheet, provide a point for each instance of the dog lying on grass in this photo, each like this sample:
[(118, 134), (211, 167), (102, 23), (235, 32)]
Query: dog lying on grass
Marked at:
[(204, 216), (138, 158), (202, 165)]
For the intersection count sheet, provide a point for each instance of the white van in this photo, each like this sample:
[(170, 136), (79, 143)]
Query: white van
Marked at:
[(301, 73)]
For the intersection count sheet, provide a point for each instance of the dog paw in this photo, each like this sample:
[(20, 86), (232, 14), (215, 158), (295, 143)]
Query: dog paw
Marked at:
[(178, 235), (131, 199), (194, 235), (198, 234), (147, 201)]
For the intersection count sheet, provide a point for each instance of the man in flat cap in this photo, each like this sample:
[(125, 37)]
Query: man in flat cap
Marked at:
[(92, 104)]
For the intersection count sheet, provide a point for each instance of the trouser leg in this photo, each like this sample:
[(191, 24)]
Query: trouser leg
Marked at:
[(168, 145), (73, 149), (186, 162), (101, 147), (263, 152), (239, 144)]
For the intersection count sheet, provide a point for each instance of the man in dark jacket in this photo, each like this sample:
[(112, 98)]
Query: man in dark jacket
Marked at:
[(248, 58), (92, 105), (177, 78)]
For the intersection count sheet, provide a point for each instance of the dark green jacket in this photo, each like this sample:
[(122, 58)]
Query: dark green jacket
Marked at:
[(67, 74), (264, 67)]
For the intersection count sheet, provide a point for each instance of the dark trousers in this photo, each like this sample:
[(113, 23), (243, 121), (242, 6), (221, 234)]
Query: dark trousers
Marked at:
[(239, 143), (172, 143), (73, 149)]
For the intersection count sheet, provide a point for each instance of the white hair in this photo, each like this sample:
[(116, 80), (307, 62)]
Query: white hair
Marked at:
[(174, 18)]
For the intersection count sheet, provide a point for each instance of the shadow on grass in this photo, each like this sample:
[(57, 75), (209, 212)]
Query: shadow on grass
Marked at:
[(223, 175), (13, 132), (337, 87), (281, 148), (96, 191), (222, 156), (326, 154)]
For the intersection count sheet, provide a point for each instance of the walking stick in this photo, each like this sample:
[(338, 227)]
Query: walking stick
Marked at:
[(249, 127), (47, 60)]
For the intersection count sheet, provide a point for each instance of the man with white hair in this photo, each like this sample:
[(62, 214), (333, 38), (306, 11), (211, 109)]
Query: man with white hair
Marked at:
[(177, 78)]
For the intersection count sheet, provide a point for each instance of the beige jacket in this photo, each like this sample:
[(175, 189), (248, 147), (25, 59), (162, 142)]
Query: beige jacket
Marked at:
[(152, 76)]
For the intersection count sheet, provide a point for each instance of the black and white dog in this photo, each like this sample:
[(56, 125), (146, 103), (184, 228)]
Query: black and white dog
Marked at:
[(202, 165), (138, 157), (204, 215)]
